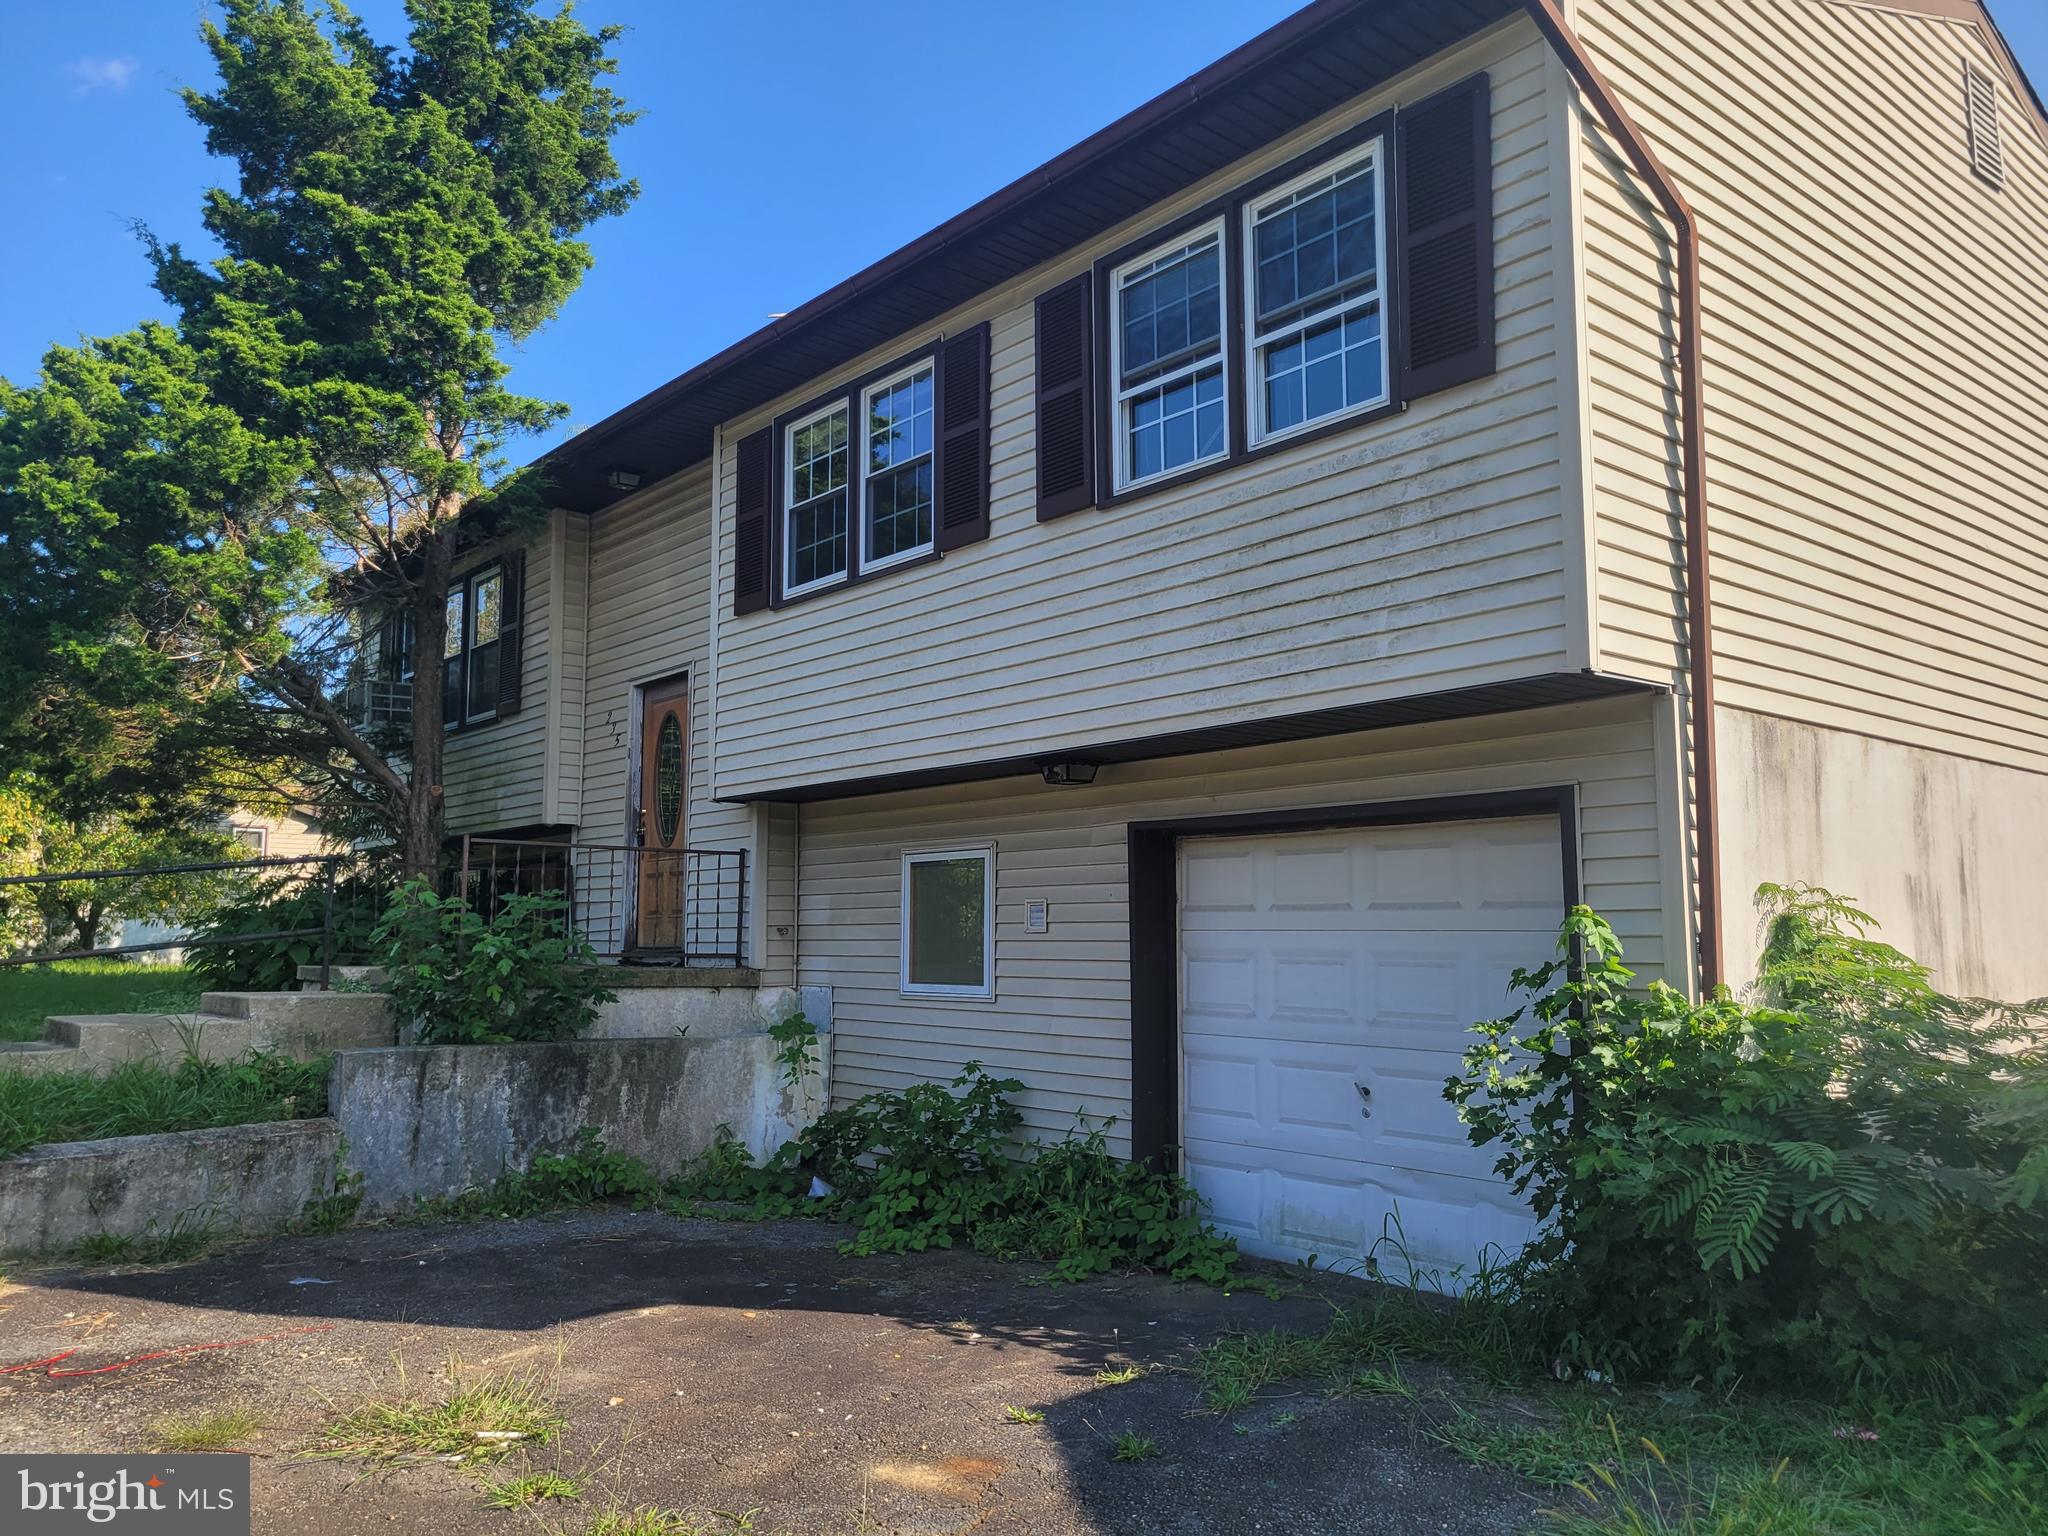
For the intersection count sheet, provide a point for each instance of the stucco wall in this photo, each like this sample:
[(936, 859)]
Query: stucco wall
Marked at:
[(1949, 854)]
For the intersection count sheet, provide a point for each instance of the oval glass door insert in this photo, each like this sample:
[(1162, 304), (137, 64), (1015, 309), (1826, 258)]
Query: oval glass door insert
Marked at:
[(668, 780)]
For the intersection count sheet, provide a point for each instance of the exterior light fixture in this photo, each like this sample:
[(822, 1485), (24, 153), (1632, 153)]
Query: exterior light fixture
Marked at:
[(1067, 772), (621, 479)]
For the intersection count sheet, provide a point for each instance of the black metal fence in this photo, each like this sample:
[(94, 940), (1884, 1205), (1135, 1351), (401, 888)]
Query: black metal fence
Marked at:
[(675, 906), (165, 896), (671, 906)]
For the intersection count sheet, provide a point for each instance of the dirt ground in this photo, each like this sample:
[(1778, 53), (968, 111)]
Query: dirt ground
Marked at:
[(708, 1366)]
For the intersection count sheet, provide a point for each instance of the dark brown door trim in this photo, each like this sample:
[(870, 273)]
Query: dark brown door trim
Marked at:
[(1153, 849)]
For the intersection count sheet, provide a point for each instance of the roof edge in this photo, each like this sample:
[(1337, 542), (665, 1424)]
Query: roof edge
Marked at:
[(1104, 141)]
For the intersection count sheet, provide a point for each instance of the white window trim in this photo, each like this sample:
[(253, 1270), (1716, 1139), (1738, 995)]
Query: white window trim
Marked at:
[(789, 432), (262, 838), (1119, 432), (1256, 434), (857, 498), (985, 852), (470, 583)]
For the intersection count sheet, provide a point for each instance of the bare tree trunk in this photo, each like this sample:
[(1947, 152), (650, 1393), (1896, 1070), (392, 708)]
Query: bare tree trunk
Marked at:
[(419, 849)]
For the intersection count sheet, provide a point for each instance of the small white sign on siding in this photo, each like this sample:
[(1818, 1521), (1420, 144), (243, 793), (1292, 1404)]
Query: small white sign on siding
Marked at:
[(1037, 917)]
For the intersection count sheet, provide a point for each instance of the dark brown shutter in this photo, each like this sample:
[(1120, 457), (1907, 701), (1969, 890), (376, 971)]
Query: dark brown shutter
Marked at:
[(751, 522), (511, 631), (962, 468), (1066, 399), (1444, 287)]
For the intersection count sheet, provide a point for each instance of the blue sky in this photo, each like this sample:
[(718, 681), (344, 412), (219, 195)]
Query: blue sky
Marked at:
[(763, 178)]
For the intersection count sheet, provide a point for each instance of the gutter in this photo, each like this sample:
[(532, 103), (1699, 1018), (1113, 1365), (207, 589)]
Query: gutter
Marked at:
[(1699, 626)]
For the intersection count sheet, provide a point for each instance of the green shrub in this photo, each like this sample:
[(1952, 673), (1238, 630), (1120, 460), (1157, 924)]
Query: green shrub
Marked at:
[(141, 1098), (1841, 1182), (280, 904), (461, 980), (932, 1166)]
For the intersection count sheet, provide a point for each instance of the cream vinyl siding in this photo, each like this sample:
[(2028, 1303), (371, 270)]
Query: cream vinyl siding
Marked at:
[(649, 606), (1060, 1018), (496, 774), (1423, 552), (1877, 400)]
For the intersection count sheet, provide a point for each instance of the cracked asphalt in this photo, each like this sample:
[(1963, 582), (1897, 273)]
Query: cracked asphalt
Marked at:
[(711, 1366)]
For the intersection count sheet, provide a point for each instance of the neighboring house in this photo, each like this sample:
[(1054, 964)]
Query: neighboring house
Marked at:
[(285, 834), (1181, 632)]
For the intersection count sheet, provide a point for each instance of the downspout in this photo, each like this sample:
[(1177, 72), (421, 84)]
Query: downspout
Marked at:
[(1699, 626)]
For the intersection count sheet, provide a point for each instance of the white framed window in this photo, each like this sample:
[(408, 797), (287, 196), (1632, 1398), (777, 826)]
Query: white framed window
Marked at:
[(486, 625), (815, 500), (948, 939), (897, 495), (255, 839), (1172, 404), (1315, 320), (470, 647)]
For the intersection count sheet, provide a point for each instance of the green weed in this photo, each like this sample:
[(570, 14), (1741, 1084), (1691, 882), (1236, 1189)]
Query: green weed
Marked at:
[(1017, 1415), (221, 1429), (480, 1422), (1129, 1445), (530, 1488)]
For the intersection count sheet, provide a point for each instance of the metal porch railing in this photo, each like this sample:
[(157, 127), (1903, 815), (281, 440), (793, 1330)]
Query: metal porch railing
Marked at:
[(664, 906)]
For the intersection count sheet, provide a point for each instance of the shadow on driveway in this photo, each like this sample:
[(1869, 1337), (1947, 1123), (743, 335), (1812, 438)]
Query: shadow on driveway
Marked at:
[(718, 1366)]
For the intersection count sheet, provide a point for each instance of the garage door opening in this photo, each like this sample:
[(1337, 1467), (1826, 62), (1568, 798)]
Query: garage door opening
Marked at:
[(1326, 983)]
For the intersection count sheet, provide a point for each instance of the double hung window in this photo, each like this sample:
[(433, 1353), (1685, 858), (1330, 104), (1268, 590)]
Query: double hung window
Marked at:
[(1166, 359)]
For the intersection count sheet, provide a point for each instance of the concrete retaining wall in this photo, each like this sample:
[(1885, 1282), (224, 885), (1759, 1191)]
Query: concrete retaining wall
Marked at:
[(238, 1179), (427, 1121), (700, 1005)]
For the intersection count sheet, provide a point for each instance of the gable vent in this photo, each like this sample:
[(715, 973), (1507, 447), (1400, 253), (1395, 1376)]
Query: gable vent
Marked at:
[(1987, 150)]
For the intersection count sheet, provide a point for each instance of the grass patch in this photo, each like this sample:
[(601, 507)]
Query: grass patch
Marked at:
[(1670, 1463), (474, 1424), (189, 1235), (1017, 1415), (530, 1488), (141, 1098), (30, 993), (1129, 1445), (650, 1521), (223, 1429), (1118, 1375)]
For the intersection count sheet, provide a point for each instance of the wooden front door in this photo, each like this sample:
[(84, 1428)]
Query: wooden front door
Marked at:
[(664, 786)]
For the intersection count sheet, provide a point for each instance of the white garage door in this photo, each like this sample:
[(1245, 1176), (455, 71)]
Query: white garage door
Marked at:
[(1328, 983)]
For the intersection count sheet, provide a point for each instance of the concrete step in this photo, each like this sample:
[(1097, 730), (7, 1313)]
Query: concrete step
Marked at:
[(228, 1025), (39, 1056), (297, 1009), (102, 1040), (354, 975)]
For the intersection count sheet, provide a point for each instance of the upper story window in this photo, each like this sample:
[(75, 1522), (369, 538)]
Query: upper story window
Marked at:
[(814, 512), (1315, 332), (897, 498), (883, 473), (1338, 287), (480, 651), (1166, 358), (471, 646)]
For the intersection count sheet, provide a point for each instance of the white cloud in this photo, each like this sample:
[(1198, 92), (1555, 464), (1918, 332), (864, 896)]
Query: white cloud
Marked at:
[(91, 74)]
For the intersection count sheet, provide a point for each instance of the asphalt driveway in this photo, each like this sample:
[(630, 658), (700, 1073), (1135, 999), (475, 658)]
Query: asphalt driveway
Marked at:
[(707, 1366)]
